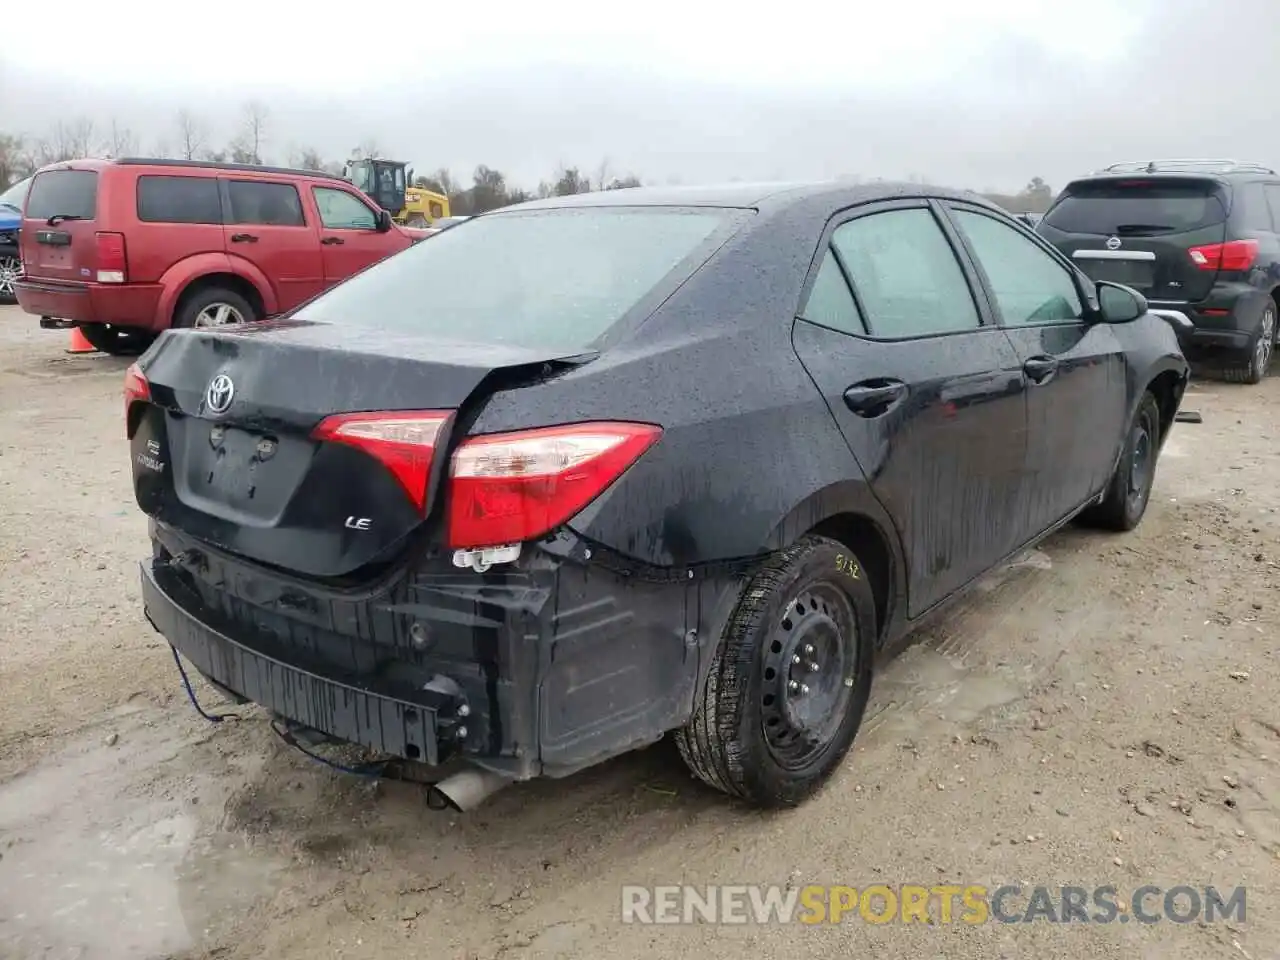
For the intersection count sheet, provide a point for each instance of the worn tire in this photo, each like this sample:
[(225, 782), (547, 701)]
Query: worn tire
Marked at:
[(1122, 509), (1252, 366), (116, 340), (725, 743), (190, 308)]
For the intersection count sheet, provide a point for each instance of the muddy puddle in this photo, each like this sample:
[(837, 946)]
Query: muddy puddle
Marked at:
[(105, 852)]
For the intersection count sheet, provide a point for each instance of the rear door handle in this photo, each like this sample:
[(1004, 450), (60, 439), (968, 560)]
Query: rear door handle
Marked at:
[(1041, 369), (874, 398), (330, 241), (243, 238)]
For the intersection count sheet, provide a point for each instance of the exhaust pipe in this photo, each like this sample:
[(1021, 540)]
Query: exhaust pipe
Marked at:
[(465, 790)]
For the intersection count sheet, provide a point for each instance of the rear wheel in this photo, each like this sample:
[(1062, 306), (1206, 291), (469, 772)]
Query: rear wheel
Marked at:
[(214, 307), (1129, 491), (790, 679), (10, 270), (418, 221), (1252, 367), (117, 340)]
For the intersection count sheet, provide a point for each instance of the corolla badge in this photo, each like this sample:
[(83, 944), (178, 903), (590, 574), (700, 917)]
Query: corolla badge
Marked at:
[(219, 394), (1113, 243)]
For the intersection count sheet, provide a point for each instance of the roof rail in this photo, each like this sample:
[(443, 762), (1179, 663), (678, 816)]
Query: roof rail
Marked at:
[(1187, 166), (219, 165)]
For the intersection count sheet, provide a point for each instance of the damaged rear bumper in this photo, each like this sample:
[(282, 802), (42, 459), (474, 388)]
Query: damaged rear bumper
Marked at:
[(540, 669), (413, 728)]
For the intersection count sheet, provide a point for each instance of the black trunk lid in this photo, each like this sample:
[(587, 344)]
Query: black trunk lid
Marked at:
[(252, 480)]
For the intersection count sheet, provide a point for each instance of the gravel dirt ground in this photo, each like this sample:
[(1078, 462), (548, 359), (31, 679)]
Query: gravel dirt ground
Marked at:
[(1104, 711)]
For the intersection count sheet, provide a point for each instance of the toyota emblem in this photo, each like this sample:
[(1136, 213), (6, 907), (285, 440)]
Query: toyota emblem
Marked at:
[(1113, 243), (220, 393)]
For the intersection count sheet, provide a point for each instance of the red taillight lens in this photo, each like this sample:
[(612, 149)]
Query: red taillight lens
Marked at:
[(512, 487), (112, 260), (1235, 255), (136, 388), (404, 442)]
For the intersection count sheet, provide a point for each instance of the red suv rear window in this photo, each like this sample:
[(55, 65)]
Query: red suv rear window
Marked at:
[(70, 194)]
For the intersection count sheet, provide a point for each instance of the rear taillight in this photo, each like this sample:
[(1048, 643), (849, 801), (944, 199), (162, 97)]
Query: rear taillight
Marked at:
[(512, 487), (503, 488), (1233, 255), (136, 389), (404, 442), (112, 261)]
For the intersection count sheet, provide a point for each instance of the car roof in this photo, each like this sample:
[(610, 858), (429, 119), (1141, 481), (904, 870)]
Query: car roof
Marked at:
[(838, 193), (99, 164)]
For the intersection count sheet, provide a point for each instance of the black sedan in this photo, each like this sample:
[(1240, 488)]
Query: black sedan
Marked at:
[(606, 467)]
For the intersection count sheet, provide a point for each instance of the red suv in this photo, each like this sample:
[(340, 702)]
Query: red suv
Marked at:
[(128, 248)]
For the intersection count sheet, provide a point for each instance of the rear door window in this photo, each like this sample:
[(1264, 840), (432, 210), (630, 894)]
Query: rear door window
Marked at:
[(69, 194), (1273, 201), (179, 200), (1145, 207), (265, 204), (830, 302), (549, 279), (906, 275), (1250, 206)]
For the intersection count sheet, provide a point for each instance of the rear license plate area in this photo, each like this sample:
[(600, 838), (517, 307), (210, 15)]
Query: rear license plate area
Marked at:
[(1132, 273), (234, 463)]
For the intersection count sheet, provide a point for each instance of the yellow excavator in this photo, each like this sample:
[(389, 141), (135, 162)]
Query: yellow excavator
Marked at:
[(390, 184)]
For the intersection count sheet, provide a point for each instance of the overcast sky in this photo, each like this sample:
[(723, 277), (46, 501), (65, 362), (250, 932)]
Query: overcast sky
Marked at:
[(978, 93)]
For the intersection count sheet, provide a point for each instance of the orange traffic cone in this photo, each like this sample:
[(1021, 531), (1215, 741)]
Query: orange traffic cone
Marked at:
[(78, 343)]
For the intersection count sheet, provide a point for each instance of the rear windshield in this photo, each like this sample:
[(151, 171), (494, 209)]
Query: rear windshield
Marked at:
[(72, 194), (1137, 207), (556, 279)]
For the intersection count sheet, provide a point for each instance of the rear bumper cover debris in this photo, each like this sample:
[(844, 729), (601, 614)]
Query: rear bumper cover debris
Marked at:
[(409, 728), (540, 668)]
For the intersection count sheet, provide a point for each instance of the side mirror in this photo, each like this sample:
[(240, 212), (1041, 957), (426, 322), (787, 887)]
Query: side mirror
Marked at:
[(384, 221), (1118, 303)]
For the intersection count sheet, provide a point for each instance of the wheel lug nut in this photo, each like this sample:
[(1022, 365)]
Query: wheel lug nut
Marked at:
[(796, 658), (808, 648), (804, 688), (813, 667), (793, 686)]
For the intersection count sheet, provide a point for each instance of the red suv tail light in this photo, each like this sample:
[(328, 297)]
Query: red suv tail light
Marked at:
[(512, 487), (1233, 255), (113, 266), (136, 389), (404, 442)]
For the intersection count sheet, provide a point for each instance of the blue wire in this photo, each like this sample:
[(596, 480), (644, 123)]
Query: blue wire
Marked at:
[(373, 770), (191, 694)]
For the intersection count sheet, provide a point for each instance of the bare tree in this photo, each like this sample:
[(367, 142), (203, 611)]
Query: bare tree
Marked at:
[(240, 151), (306, 158), (255, 130), (120, 141), (366, 148), (69, 140), (191, 136), (603, 174)]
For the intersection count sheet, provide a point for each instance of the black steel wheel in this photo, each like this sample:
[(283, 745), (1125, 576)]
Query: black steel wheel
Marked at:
[(1129, 491), (789, 682)]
